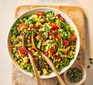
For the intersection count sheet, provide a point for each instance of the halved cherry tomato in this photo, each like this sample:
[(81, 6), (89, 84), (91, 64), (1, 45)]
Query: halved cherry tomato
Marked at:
[(54, 26), (22, 50), (39, 14), (11, 47), (57, 57), (52, 50), (73, 37), (66, 43)]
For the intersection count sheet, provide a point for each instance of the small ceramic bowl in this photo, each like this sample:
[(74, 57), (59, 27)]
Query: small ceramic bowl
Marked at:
[(80, 66)]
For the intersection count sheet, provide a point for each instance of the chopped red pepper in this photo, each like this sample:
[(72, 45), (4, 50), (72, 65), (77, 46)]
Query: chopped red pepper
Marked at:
[(11, 47), (66, 43), (39, 14), (57, 36), (52, 50), (22, 50), (57, 57), (54, 26)]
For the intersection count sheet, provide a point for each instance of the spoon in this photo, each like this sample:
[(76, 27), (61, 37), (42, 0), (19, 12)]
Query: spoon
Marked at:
[(47, 60), (33, 64)]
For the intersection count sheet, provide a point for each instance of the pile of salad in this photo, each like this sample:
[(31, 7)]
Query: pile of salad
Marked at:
[(53, 36)]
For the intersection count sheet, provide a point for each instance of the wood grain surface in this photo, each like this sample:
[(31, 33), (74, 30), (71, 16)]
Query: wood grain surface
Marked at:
[(76, 14)]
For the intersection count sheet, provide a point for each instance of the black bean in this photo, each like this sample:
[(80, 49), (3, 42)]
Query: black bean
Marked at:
[(88, 66)]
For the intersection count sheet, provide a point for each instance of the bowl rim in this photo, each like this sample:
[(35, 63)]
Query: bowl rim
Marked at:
[(66, 18)]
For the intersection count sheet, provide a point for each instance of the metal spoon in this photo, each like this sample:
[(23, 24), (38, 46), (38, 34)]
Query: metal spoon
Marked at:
[(48, 61), (33, 64)]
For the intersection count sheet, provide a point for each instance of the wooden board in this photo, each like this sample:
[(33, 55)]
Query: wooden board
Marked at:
[(76, 14)]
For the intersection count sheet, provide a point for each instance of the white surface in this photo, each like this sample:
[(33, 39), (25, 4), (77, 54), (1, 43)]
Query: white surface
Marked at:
[(7, 10)]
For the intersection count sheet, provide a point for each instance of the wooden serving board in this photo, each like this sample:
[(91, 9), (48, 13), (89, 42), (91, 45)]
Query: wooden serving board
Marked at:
[(76, 14)]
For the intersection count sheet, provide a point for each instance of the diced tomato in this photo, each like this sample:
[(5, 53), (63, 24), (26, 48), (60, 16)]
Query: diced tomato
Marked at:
[(39, 36), (22, 50), (73, 37), (54, 26), (52, 50), (66, 43), (50, 33), (45, 53), (58, 15), (11, 47), (28, 38), (57, 36), (19, 38), (66, 53), (39, 14), (63, 19), (22, 25), (56, 45), (57, 57), (63, 58)]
